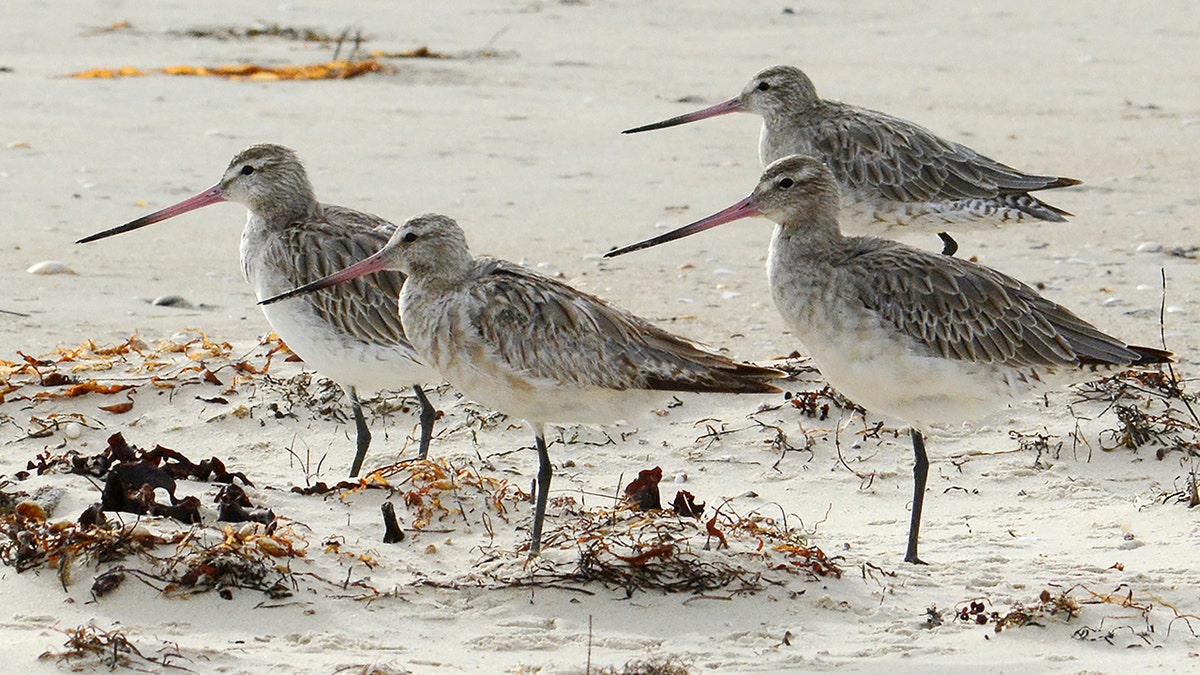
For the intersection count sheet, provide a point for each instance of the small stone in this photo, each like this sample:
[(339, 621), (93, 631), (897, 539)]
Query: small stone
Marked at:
[(1149, 247), (171, 301), (681, 477), (50, 267), (73, 430)]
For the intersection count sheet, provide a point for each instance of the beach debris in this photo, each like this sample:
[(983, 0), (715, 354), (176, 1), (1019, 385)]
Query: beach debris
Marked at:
[(234, 506), (50, 267), (685, 505), (127, 366), (421, 52), (28, 541), (1071, 603), (110, 649), (643, 492), (651, 666), (123, 26), (172, 301), (433, 490), (272, 30), (391, 528), (1152, 409), (1047, 605), (329, 70), (132, 477)]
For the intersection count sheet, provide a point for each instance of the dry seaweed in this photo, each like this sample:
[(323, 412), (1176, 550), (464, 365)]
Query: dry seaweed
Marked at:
[(28, 541), (1069, 604), (642, 551), (330, 70), (110, 649), (1152, 409), (271, 30)]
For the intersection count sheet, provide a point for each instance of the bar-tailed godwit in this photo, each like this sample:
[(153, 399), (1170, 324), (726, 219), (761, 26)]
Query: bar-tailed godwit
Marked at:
[(891, 172), (925, 338), (352, 333), (533, 347)]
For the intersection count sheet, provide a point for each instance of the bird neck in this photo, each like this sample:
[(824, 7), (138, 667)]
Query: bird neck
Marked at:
[(817, 238)]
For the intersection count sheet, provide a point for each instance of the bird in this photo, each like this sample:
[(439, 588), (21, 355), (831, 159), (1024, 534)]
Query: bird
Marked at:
[(533, 347), (351, 334), (917, 336), (891, 172)]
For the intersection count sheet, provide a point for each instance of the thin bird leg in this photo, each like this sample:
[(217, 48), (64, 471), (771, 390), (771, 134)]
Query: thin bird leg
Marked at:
[(428, 416), (949, 246), (920, 473), (545, 471), (364, 434)]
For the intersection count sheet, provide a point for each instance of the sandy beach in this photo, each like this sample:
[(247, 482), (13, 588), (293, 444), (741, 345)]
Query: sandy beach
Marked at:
[(1053, 545)]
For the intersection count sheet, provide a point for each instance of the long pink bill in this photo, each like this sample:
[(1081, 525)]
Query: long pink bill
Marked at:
[(742, 209), (212, 195), (724, 108), (376, 263)]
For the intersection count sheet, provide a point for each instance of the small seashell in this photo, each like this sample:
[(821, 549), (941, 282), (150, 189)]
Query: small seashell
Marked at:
[(185, 336), (50, 267), (681, 477), (1149, 247)]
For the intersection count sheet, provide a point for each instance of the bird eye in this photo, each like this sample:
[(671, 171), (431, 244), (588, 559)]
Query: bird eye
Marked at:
[(410, 238), (247, 170), (786, 183), (763, 86)]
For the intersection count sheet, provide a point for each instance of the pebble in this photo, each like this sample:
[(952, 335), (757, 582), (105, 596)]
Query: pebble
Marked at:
[(172, 301), (73, 430), (50, 267), (1149, 247)]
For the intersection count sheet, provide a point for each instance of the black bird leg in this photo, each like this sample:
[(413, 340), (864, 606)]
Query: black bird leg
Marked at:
[(920, 473), (428, 416), (545, 472), (364, 434)]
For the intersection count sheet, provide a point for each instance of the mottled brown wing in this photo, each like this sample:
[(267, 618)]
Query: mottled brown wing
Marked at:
[(962, 310), (549, 330), (366, 308), (869, 150)]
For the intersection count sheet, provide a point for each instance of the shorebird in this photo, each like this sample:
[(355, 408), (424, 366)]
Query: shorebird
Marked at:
[(535, 348), (892, 172), (351, 334), (925, 338)]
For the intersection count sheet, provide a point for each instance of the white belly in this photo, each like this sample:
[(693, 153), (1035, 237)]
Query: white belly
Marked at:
[(349, 362)]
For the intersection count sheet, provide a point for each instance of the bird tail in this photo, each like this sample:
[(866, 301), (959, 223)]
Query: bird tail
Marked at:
[(1148, 356)]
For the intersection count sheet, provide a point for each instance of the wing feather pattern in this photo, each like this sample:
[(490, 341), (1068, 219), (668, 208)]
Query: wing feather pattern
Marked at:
[(965, 311), (366, 308), (546, 329), (869, 150)]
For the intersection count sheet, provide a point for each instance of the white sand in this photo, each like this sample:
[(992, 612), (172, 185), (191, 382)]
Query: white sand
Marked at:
[(524, 151)]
